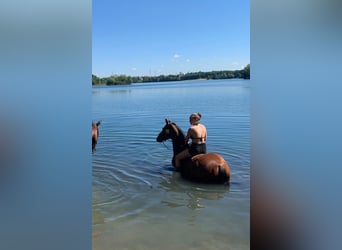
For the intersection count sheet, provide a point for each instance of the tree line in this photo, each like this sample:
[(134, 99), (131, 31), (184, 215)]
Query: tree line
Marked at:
[(123, 79)]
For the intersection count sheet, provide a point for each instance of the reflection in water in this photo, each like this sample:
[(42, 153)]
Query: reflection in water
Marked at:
[(120, 91), (138, 198), (180, 190), (104, 90)]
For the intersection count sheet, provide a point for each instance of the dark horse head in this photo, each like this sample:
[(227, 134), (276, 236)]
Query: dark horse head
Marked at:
[(209, 167), (173, 132)]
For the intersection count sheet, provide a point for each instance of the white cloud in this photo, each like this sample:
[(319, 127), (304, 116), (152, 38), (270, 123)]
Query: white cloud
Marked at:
[(177, 56)]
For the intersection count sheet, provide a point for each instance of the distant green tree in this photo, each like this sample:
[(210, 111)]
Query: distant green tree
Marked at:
[(110, 81), (95, 80), (246, 72), (123, 79)]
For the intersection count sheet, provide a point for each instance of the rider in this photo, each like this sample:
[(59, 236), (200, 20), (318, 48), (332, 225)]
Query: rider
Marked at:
[(198, 135)]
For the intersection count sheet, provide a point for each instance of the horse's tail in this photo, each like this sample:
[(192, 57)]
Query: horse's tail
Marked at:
[(223, 176)]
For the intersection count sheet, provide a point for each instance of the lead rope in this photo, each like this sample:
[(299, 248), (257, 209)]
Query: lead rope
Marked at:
[(165, 145)]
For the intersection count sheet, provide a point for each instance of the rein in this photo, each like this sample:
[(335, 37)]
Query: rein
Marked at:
[(165, 145)]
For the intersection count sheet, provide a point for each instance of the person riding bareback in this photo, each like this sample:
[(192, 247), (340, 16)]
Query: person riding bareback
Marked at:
[(198, 135)]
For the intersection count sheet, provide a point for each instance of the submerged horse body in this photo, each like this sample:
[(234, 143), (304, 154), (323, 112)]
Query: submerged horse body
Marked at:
[(208, 168), (94, 135)]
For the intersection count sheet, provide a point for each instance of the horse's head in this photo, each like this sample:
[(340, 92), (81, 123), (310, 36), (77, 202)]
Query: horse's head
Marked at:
[(169, 131)]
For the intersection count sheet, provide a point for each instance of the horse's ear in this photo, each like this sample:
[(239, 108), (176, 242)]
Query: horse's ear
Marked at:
[(167, 121)]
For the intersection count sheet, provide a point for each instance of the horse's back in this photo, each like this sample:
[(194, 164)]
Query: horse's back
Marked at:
[(209, 167)]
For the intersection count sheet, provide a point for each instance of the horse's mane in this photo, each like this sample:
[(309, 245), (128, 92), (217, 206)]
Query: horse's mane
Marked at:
[(177, 129), (179, 141)]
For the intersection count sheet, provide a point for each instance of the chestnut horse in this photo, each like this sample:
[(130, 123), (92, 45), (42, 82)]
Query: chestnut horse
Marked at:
[(94, 135), (207, 168)]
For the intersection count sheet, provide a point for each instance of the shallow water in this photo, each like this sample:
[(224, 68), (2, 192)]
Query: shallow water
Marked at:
[(139, 202)]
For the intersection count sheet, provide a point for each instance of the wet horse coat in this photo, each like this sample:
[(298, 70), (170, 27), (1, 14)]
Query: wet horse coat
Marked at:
[(208, 168), (94, 134)]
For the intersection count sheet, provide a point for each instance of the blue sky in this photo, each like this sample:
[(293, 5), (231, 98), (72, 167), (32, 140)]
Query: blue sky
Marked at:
[(155, 37)]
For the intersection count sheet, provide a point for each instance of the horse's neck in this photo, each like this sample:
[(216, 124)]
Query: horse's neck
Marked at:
[(178, 143)]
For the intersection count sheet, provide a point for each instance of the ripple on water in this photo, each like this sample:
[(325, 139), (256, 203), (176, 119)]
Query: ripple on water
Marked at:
[(134, 184)]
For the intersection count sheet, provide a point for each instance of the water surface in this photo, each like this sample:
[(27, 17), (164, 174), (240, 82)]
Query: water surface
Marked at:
[(139, 202)]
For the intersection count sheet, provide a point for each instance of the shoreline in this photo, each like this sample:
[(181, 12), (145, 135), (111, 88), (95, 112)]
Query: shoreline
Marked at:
[(160, 82)]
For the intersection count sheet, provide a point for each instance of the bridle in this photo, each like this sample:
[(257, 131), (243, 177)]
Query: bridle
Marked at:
[(167, 130)]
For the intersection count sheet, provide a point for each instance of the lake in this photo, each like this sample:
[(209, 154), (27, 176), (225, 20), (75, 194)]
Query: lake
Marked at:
[(139, 202)]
